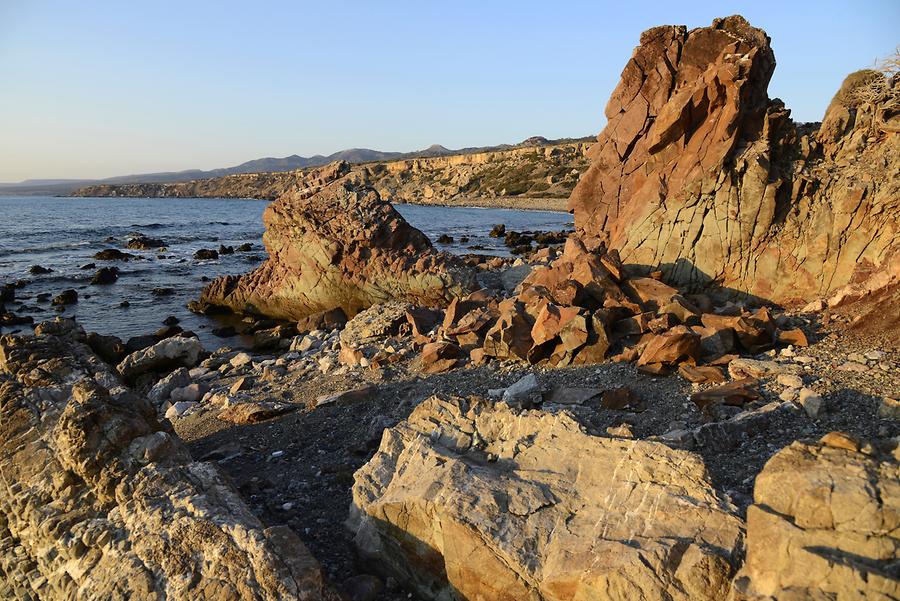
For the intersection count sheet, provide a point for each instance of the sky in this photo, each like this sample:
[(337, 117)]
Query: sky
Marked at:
[(96, 89)]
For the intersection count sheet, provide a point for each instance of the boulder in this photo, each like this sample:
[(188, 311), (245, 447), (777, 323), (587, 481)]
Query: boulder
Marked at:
[(104, 502), (477, 501), (66, 297), (144, 243), (105, 276), (113, 254), (823, 525), (162, 356), (698, 173), (334, 242)]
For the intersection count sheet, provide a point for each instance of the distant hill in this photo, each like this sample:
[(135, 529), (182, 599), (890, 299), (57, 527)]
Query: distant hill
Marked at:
[(267, 164)]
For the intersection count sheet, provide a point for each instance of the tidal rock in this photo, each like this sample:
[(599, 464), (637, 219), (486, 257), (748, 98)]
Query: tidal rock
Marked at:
[(162, 356), (105, 276), (477, 501), (824, 525), (206, 254), (144, 243), (103, 502), (66, 297), (334, 242), (699, 172), (113, 254)]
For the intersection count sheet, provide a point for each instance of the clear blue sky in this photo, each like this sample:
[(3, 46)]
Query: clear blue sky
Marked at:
[(96, 89)]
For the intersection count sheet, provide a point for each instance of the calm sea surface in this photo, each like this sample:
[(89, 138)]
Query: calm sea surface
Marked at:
[(63, 233)]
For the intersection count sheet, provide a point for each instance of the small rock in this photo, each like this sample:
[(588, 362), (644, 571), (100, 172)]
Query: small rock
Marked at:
[(853, 366), (790, 380), (841, 440), (180, 408), (810, 401), (524, 394), (620, 431), (889, 409), (66, 297), (240, 360)]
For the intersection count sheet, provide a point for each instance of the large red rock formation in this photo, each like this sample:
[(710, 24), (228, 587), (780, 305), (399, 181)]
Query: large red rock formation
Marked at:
[(333, 242), (700, 173)]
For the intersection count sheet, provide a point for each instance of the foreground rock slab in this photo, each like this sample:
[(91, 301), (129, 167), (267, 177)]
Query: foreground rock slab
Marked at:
[(100, 501), (824, 525), (467, 500)]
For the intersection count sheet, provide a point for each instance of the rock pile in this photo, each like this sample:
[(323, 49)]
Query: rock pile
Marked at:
[(698, 173), (101, 500), (333, 242)]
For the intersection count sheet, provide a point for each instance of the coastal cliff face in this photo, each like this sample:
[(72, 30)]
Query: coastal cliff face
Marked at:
[(334, 243), (699, 173), (539, 172)]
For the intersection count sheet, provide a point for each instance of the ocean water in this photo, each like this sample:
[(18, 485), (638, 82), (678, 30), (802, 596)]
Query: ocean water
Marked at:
[(64, 233)]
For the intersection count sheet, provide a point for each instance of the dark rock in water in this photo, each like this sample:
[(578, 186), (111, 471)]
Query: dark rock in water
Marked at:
[(464, 240), (109, 348), (162, 291), (204, 278), (205, 254), (87, 266), (445, 239), (168, 332), (7, 293), (137, 343), (323, 320), (11, 319), (498, 231), (113, 254), (144, 243), (105, 275), (256, 325), (226, 250), (245, 247), (124, 304), (171, 320), (224, 332), (43, 297), (66, 297), (39, 270), (253, 258), (521, 250)]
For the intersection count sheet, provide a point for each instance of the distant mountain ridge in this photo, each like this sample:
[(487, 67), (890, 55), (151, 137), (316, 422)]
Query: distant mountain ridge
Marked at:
[(263, 165)]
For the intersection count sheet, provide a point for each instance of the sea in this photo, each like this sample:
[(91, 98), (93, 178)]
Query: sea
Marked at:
[(62, 234)]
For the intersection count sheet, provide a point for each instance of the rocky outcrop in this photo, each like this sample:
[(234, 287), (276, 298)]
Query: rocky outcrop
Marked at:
[(824, 525), (700, 174), (100, 501), (335, 243), (544, 171), (469, 500)]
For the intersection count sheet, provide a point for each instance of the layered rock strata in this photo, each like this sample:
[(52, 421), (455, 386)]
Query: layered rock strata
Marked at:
[(100, 501), (474, 501), (700, 174), (335, 243)]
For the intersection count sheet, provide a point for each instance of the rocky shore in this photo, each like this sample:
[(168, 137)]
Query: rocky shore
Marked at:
[(589, 420), (533, 177)]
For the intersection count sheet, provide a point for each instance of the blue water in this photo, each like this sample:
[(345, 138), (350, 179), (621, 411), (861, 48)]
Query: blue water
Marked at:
[(63, 234)]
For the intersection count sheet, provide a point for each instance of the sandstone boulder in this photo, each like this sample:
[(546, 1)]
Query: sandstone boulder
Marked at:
[(101, 501), (824, 524), (162, 356), (698, 173), (334, 242), (472, 501)]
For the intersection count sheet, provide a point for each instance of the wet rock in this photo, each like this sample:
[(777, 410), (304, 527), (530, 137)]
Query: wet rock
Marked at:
[(113, 254), (66, 297), (137, 343), (109, 348), (481, 504), (206, 254), (144, 243), (160, 292), (806, 544), (445, 239), (39, 270), (105, 276)]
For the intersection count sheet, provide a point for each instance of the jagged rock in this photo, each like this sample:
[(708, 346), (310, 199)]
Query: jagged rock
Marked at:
[(737, 393), (206, 254), (333, 242), (66, 297), (110, 348), (105, 276), (103, 502), (823, 525), (113, 254), (251, 413), (675, 345), (478, 501), (162, 390), (144, 243), (699, 173), (162, 356)]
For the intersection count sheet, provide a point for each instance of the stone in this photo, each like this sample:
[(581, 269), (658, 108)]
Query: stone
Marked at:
[(422, 321), (323, 320), (113, 254), (563, 395), (690, 122), (333, 242), (737, 393), (889, 409), (162, 356), (701, 374), (810, 401), (622, 397), (524, 393), (823, 524), (107, 503), (790, 380), (841, 440), (192, 392), (240, 360), (206, 254), (751, 368), (375, 323), (795, 337), (550, 321), (179, 408), (651, 294), (66, 297), (144, 243), (253, 412), (671, 347), (449, 524), (110, 348), (438, 357), (853, 366), (355, 395), (239, 385), (162, 390)]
